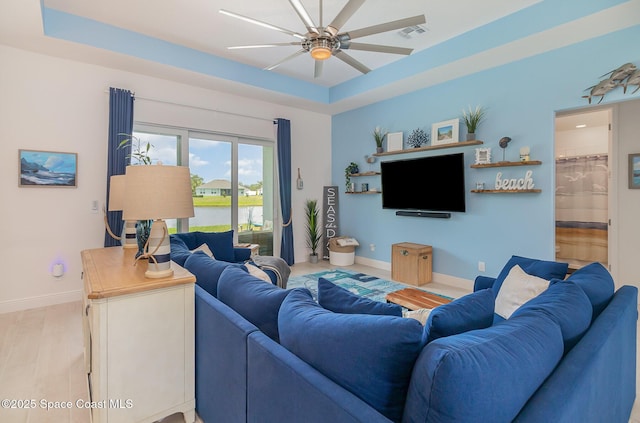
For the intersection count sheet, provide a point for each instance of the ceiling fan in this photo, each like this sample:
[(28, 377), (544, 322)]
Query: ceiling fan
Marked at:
[(322, 42)]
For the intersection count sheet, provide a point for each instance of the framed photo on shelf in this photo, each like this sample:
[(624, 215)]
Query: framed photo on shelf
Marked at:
[(47, 169), (483, 155), (394, 141), (446, 132), (634, 171)]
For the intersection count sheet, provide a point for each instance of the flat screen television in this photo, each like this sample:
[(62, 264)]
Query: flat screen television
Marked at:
[(434, 183)]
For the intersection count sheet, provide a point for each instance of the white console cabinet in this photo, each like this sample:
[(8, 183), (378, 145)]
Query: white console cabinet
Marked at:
[(138, 339)]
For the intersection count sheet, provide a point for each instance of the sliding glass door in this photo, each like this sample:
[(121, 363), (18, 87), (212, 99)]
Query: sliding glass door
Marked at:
[(232, 181)]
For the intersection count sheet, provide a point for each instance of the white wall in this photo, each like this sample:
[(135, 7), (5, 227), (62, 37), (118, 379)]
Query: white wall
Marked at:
[(627, 129), (60, 105), (582, 142)]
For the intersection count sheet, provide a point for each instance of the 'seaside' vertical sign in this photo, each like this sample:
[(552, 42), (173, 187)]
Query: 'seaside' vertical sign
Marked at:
[(330, 214)]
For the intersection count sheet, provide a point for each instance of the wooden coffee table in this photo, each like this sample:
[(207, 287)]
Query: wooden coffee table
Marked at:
[(415, 299)]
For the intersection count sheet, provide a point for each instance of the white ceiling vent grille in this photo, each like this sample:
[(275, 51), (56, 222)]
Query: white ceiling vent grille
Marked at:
[(413, 31)]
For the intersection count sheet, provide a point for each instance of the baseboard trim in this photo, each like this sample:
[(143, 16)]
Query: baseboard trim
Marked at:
[(40, 301), (453, 281)]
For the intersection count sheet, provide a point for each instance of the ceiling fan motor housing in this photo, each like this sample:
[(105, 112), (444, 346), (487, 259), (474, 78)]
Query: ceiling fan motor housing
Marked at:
[(321, 47)]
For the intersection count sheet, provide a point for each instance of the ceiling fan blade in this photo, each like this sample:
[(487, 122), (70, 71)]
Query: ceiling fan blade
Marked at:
[(351, 61), (376, 48), (317, 72), (293, 43), (385, 27), (294, 55), (304, 16), (343, 16), (262, 24)]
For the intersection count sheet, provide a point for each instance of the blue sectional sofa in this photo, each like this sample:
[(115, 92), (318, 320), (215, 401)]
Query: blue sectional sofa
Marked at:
[(264, 354)]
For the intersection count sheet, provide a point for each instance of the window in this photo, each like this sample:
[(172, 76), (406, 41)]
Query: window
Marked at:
[(232, 181)]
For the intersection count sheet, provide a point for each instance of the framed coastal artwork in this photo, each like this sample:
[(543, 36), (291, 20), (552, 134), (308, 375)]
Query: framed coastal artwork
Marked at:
[(634, 171), (47, 169), (445, 132)]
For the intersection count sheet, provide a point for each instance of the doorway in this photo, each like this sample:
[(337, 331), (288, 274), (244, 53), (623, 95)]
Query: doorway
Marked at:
[(583, 152)]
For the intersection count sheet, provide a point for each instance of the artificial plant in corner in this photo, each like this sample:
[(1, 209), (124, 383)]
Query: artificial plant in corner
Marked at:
[(313, 229), (140, 153)]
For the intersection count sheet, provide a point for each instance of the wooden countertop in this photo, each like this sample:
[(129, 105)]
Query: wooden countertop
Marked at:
[(109, 272)]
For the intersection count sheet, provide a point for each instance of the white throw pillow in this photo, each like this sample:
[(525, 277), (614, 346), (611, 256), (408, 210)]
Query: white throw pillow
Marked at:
[(205, 249), (518, 288), (257, 272), (421, 315)]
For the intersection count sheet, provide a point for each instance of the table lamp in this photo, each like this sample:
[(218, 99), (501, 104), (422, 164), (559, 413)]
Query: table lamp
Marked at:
[(157, 192), (116, 203)]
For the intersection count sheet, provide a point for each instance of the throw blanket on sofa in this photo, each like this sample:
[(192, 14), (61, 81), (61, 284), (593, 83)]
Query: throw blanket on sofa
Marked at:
[(277, 265)]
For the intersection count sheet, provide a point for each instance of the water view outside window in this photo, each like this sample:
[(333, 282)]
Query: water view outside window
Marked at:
[(231, 182)]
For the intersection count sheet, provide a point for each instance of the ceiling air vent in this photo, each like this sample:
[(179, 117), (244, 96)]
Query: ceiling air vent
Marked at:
[(413, 31)]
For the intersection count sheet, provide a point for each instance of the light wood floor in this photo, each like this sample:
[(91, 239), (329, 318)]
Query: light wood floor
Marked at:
[(41, 356)]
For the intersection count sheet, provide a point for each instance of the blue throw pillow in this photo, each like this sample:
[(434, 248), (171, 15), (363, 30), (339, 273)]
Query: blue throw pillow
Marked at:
[(254, 299), (190, 239), (473, 311), (339, 300), (220, 244), (567, 305), (485, 375), (179, 251), (543, 269), (206, 270), (370, 356), (597, 283)]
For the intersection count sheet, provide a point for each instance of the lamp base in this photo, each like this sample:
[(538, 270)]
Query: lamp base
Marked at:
[(159, 251), (155, 274)]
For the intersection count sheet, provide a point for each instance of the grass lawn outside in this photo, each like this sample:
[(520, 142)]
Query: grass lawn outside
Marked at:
[(220, 201)]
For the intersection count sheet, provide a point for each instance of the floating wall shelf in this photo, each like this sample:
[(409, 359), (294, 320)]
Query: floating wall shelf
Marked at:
[(506, 191), (507, 164), (372, 173), (364, 192), (430, 147)]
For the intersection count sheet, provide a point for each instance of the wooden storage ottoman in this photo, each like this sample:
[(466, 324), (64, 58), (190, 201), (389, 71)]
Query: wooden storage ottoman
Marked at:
[(411, 263)]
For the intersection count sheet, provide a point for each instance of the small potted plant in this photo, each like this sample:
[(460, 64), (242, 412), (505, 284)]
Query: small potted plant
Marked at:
[(472, 119), (350, 170), (313, 229), (378, 136), (417, 138)]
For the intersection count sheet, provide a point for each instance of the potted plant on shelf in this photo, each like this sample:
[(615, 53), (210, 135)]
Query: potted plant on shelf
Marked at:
[(417, 138), (378, 136), (313, 229), (472, 119), (350, 170)]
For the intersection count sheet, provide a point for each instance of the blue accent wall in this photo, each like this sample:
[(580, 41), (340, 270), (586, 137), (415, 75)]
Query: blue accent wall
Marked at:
[(521, 100)]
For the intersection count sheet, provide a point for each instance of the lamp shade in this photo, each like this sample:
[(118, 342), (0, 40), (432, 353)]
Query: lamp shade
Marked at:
[(116, 192), (157, 192)]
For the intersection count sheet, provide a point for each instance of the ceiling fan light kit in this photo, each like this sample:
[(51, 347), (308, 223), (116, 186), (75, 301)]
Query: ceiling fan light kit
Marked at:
[(323, 42)]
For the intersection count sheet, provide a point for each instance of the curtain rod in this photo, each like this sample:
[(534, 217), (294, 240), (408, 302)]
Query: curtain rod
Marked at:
[(195, 107), (587, 156)]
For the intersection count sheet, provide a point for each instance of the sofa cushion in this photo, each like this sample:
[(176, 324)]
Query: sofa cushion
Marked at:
[(190, 239), (205, 249), (220, 243), (206, 270), (543, 269), (518, 288), (473, 311), (370, 356), (179, 250), (596, 281), (339, 300), (256, 301), (567, 305), (484, 375)]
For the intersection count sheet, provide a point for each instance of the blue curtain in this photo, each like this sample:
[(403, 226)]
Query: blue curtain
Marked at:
[(284, 178), (120, 122)]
